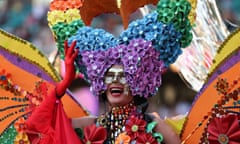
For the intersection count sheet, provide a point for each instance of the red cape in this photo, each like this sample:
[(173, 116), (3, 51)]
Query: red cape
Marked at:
[(49, 124)]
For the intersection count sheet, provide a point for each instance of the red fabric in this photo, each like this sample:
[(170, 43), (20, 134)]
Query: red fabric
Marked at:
[(227, 125), (146, 138), (95, 135), (50, 120)]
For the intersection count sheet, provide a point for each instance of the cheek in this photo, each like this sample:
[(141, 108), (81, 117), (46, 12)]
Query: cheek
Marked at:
[(107, 93)]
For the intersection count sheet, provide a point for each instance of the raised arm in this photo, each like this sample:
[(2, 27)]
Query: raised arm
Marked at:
[(70, 55), (48, 122)]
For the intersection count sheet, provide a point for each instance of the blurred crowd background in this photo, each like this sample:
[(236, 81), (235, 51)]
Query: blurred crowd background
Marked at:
[(28, 20)]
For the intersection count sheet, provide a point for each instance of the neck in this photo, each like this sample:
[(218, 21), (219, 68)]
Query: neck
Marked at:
[(115, 119), (127, 106)]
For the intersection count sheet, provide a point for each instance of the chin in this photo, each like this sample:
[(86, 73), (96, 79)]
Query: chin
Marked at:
[(119, 101)]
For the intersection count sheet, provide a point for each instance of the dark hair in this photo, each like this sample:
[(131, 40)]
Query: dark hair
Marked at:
[(141, 103), (78, 83)]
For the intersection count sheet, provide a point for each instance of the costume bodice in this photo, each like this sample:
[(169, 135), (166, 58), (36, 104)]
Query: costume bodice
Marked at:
[(117, 120)]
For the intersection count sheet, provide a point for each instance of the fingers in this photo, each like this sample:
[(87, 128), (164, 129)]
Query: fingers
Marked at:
[(65, 47), (71, 49), (156, 115), (75, 54)]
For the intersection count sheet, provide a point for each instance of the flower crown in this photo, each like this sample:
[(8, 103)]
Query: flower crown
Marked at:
[(145, 49)]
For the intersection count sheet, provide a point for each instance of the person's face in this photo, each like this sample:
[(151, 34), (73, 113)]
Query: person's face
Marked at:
[(118, 93)]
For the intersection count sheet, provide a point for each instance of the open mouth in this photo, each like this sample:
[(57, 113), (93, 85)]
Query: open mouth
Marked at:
[(115, 91)]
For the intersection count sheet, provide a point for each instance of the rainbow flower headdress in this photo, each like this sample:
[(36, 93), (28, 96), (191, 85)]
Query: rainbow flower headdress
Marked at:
[(145, 49)]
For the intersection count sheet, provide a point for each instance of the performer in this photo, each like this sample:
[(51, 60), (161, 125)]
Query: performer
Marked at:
[(124, 71), (126, 114)]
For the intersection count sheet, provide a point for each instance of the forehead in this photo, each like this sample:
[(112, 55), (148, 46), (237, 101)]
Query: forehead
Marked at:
[(116, 68)]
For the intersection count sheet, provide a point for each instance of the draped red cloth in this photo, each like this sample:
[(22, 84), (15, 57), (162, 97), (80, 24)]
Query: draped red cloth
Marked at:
[(95, 135), (49, 124), (227, 126)]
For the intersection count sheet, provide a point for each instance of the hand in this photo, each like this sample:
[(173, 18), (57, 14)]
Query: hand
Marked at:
[(70, 55), (169, 135)]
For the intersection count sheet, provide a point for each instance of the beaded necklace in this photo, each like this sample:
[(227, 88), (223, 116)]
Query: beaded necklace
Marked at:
[(115, 119)]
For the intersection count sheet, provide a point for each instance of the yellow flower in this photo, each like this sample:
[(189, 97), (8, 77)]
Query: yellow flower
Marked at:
[(123, 138), (55, 16), (21, 138), (71, 15), (192, 14)]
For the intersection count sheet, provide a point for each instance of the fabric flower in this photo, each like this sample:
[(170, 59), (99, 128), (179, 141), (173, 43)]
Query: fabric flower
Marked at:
[(75, 4), (146, 138), (65, 5), (62, 31), (141, 65), (224, 129), (123, 138), (71, 15), (41, 89), (183, 7), (4, 77), (222, 86), (192, 14), (55, 17), (147, 48), (165, 15), (94, 135), (135, 127), (19, 125), (58, 5), (93, 39), (21, 138)]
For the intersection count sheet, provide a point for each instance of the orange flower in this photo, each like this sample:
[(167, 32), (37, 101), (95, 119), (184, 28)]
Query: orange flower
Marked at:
[(123, 138), (19, 125), (65, 5)]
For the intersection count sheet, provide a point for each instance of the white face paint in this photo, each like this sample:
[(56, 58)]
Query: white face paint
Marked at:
[(115, 75), (117, 92)]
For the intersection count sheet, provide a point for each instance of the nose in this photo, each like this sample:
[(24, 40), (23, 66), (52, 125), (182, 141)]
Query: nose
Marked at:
[(115, 78)]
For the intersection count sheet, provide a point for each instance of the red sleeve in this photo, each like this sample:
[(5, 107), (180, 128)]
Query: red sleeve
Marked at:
[(49, 123)]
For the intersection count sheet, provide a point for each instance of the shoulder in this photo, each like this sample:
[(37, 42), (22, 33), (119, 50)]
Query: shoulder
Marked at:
[(83, 121)]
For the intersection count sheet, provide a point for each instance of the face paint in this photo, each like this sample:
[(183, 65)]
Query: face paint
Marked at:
[(126, 90), (115, 75)]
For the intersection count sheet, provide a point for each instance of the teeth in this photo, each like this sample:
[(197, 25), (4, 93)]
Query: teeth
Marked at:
[(116, 90)]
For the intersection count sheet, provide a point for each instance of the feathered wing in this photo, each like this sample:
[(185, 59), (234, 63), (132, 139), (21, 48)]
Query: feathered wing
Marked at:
[(26, 76), (218, 96)]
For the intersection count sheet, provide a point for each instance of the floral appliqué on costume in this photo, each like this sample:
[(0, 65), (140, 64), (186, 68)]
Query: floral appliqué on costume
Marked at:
[(125, 125)]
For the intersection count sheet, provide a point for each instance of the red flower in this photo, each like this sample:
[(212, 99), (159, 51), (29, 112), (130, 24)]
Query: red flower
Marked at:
[(135, 127), (94, 135), (224, 130), (4, 77), (146, 139)]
